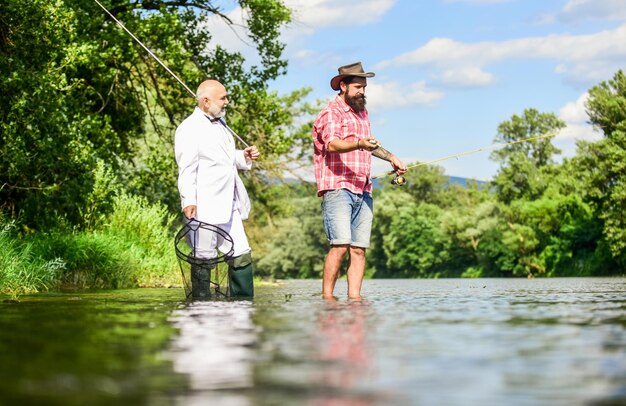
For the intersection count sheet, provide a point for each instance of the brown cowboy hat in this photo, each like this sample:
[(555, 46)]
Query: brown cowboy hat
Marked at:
[(354, 69)]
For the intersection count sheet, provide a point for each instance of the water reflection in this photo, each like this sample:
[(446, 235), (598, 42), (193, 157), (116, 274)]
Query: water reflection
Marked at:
[(214, 349), (344, 353)]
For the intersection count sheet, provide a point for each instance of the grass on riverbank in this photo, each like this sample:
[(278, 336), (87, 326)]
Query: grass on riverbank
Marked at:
[(22, 271), (131, 247)]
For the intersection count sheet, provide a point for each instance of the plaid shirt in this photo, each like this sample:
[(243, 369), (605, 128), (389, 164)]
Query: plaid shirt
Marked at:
[(347, 170)]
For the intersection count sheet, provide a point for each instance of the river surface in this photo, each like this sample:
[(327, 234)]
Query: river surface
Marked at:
[(409, 342)]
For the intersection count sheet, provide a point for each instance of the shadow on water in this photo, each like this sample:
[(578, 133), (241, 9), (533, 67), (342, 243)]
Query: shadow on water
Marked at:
[(410, 342)]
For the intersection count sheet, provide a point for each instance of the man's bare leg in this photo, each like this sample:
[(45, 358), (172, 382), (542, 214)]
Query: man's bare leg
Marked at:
[(332, 266), (356, 269)]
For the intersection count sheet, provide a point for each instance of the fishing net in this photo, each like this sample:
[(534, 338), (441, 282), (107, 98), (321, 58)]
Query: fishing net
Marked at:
[(202, 250)]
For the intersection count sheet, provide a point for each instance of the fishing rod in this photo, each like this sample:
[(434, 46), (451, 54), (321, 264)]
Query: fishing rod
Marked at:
[(399, 180), (156, 58)]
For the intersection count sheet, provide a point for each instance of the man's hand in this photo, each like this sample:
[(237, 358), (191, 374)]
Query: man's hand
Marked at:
[(397, 165), (369, 144), (190, 211), (251, 153)]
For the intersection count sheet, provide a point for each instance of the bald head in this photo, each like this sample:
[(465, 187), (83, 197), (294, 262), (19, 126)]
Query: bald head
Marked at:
[(212, 97), (208, 88)]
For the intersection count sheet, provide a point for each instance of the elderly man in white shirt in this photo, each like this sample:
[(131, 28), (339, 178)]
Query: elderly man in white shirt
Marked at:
[(210, 188)]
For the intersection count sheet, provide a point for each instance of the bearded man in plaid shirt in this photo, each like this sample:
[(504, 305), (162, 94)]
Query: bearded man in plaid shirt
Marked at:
[(343, 154)]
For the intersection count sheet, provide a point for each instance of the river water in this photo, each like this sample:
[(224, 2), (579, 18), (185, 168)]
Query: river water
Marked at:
[(409, 342)]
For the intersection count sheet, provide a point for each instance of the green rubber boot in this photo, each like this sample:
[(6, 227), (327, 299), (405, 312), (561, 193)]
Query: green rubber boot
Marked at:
[(240, 276), (201, 281)]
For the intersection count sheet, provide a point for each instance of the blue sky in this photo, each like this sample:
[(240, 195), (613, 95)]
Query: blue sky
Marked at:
[(449, 71)]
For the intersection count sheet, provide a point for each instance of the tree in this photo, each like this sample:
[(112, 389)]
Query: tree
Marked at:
[(531, 124), (416, 245), (425, 183), (299, 244), (466, 226), (603, 163), (77, 90), (522, 163)]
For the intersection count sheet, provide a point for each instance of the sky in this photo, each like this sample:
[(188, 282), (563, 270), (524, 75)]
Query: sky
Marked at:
[(448, 72)]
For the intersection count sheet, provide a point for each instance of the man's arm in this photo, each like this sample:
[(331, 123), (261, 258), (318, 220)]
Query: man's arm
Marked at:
[(339, 145), (383, 154), (398, 165)]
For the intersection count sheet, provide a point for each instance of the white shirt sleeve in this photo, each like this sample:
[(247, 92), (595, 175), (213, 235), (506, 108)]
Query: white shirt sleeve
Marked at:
[(241, 161), (186, 150)]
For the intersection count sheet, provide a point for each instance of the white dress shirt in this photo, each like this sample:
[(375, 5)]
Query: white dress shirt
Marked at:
[(207, 169)]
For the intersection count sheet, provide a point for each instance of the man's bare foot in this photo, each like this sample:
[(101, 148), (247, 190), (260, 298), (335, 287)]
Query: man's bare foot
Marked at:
[(329, 297)]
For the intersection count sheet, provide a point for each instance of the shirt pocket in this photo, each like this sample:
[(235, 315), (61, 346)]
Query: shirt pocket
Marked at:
[(347, 130)]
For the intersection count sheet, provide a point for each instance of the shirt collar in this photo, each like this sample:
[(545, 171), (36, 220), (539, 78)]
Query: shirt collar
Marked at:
[(342, 103), (210, 117)]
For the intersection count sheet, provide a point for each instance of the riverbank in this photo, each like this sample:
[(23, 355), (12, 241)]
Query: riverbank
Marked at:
[(130, 247)]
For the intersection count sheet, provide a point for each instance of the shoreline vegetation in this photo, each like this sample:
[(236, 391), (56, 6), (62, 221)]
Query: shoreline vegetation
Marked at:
[(131, 247)]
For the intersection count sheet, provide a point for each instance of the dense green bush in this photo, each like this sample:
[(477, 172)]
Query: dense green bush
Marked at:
[(132, 246)]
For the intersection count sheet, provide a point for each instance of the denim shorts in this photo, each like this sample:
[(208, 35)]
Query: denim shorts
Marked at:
[(348, 217)]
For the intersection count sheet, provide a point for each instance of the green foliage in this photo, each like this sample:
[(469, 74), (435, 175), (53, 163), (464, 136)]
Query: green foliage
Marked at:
[(523, 164), (21, 272), (49, 139), (387, 203), (531, 124), (298, 246), (603, 163), (100, 202), (424, 183), (416, 246), (466, 225), (78, 91), (130, 247)]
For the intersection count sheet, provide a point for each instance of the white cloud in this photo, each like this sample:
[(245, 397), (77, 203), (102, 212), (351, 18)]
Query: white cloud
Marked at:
[(576, 118), (478, 2), (389, 95), (580, 10), (574, 112), (581, 58), (309, 16), (323, 13), (470, 76), (303, 54), (233, 37)]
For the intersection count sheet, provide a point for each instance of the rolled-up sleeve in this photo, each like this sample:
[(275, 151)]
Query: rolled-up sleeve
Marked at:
[(331, 124)]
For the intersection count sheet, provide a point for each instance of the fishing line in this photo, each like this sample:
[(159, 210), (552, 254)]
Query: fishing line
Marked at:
[(156, 58), (399, 180)]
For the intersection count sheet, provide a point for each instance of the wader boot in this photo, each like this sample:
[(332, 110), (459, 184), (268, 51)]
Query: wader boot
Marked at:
[(201, 281), (240, 276)]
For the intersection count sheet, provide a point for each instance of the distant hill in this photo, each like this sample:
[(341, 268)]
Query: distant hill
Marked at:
[(453, 180), (456, 180)]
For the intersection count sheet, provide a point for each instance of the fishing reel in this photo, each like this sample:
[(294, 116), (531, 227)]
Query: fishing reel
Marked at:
[(398, 180)]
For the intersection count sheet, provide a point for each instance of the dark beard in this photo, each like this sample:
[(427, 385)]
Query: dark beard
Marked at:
[(356, 102)]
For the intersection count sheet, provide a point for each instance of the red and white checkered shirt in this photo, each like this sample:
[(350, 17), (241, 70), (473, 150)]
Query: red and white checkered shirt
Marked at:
[(347, 170)]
